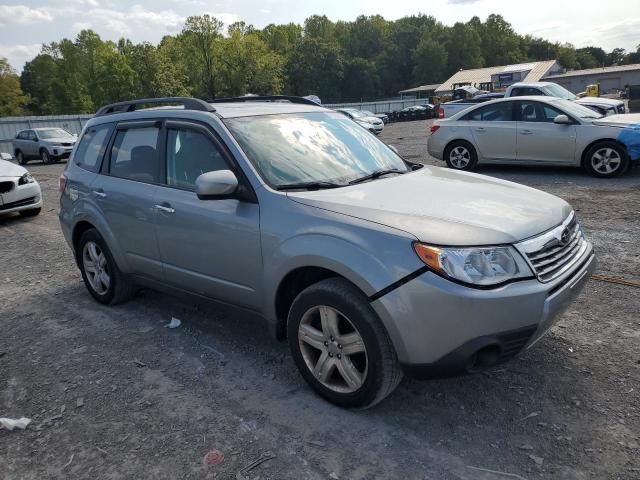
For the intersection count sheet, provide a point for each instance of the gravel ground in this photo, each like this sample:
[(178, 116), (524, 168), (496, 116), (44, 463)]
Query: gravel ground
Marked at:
[(114, 394)]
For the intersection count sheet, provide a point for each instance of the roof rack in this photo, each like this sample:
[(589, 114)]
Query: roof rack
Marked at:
[(130, 105), (266, 98)]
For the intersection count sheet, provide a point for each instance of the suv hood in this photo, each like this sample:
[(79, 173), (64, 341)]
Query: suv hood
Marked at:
[(9, 169), (446, 207), (60, 140)]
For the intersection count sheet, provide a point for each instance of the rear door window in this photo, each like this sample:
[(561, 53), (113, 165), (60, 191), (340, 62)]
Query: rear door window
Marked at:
[(496, 112), (134, 154), (31, 135), (91, 148)]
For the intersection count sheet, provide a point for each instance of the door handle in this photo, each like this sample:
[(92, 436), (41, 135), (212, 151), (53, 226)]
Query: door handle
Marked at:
[(99, 193), (479, 129), (166, 208), (525, 132)]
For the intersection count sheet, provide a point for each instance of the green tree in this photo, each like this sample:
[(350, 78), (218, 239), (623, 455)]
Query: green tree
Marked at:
[(430, 58), (12, 100), (201, 40), (316, 67), (567, 57), (463, 48)]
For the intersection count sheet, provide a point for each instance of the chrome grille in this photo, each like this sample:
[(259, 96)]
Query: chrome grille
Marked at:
[(557, 251)]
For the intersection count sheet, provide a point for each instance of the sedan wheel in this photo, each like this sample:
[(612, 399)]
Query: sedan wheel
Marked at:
[(460, 157), (44, 155), (606, 161), (96, 268), (333, 349)]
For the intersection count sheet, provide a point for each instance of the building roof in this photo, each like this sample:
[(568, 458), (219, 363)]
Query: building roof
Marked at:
[(421, 88), (596, 71), (483, 75)]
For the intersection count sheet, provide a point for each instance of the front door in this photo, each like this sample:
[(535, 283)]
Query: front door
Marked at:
[(539, 139), (126, 194), (209, 247), (494, 132)]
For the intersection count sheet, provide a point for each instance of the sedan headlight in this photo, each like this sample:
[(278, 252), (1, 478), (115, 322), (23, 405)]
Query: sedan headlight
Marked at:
[(26, 178), (479, 266)]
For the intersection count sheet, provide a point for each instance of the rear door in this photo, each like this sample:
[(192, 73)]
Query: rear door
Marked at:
[(494, 132), (539, 139), (126, 192), (209, 247), (31, 144)]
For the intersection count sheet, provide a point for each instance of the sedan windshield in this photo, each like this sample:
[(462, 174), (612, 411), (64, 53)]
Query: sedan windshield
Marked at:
[(554, 90), (312, 147), (53, 133)]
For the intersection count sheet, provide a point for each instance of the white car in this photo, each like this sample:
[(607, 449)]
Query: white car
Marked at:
[(537, 131), (373, 124), (19, 191)]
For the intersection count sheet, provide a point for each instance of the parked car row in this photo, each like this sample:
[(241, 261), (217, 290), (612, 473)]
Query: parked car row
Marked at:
[(296, 212)]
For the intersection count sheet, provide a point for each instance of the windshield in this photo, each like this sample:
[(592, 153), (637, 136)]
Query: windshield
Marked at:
[(311, 147), (557, 91), (577, 110), (357, 113), (53, 133)]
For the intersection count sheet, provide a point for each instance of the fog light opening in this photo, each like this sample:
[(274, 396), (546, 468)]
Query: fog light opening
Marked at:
[(484, 358)]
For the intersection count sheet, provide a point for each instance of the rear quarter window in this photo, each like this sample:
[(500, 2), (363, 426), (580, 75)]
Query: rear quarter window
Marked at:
[(91, 147)]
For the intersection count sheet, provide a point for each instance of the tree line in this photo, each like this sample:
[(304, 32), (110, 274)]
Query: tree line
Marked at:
[(369, 58)]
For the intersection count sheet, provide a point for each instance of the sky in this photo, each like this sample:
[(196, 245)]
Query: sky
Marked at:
[(26, 25)]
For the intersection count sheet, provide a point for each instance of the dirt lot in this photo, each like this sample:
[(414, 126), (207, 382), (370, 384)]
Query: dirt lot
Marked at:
[(114, 394)]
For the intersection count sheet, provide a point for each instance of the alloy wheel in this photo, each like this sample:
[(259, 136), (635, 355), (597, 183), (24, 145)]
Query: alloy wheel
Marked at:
[(460, 157), (96, 268), (333, 349), (606, 160)]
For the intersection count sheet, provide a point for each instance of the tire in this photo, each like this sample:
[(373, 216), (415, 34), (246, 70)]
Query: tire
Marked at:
[(373, 367), (45, 156), (30, 213), (20, 158), (606, 160), (119, 288), (460, 155)]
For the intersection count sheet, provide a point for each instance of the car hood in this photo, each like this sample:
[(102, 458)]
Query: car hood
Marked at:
[(599, 101), (9, 169), (621, 120), (374, 120), (446, 207), (60, 140)]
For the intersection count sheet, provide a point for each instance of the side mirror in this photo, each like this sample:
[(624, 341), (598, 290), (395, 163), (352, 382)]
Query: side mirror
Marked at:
[(562, 120), (216, 185)]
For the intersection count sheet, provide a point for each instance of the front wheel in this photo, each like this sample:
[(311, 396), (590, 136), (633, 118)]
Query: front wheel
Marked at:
[(606, 160), (20, 158), (461, 155), (102, 277), (340, 346), (45, 156)]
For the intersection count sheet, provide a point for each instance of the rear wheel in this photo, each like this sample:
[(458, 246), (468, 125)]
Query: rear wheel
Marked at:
[(340, 346), (45, 156), (461, 155), (20, 158), (102, 277), (606, 159)]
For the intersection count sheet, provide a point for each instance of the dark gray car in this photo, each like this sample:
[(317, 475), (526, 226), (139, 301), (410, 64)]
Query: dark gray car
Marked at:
[(47, 144), (369, 265)]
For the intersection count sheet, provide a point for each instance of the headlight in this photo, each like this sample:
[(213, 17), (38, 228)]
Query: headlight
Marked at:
[(26, 178), (481, 266)]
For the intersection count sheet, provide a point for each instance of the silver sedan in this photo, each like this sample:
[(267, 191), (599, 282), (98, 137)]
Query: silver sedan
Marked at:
[(537, 131)]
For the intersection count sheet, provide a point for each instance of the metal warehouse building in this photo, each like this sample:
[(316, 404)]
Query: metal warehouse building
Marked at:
[(499, 77), (609, 78)]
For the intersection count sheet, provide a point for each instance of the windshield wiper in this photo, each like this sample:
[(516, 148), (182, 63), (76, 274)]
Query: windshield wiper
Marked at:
[(317, 185), (376, 174)]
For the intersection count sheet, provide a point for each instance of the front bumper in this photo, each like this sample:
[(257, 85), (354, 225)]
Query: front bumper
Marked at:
[(435, 148), (439, 328), (60, 152), (21, 197)]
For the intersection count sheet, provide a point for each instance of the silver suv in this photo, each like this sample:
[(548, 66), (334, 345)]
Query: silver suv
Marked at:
[(369, 265), (47, 144)]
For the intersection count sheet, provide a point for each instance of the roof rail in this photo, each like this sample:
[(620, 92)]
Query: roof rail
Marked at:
[(266, 98), (130, 105)]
